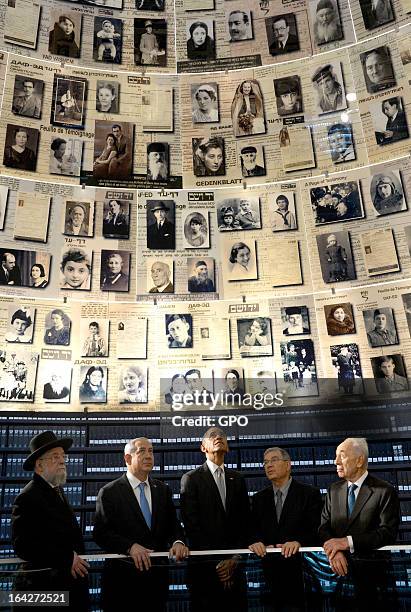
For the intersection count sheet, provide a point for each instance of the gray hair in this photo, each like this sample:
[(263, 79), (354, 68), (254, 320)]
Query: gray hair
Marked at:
[(130, 447), (360, 447), (277, 449)]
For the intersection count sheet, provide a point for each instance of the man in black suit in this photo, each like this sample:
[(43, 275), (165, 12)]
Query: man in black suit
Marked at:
[(161, 233), (284, 42), (360, 514), (45, 532), (285, 515), (135, 516), (249, 166), (376, 13), (396, 128), (216, 515), (9, 270)]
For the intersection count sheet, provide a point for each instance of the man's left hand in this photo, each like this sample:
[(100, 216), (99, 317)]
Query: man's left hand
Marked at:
[(289, 548), (179, 551), (331, 547), (225, 571), (79, 567)]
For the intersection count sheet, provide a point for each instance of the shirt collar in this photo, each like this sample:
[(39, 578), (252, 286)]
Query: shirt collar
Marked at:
[(213, 466), (284, 488), (360, 481), (134, 482)]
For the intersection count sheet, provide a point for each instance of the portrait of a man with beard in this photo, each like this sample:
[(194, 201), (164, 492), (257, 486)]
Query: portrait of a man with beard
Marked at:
[(157, 161), (327, 25), (56, 390)]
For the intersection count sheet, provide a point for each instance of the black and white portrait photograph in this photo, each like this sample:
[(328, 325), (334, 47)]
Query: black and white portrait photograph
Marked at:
[(328, 86), (20, 147), (57, 328), (252, 160), (390, 374), (295, 320), (288, 95), (282, 34), (158, 161), (208, 156), (239, 25), (254, 337), (335, 203), (160, 275), (116, 4), (339, 319), (407, 231), (69, 104), (380, 327), (241, 213), (390, 120), (201, 275), (113, 150), (108, 40), (65, 156), (247, 109), (175, 385), (345, 359), (241, 260), (20, 320), (18, 375), (79, 218), (376, 13), (325, 21), (20, 268), (57, 382), (108, 97), (282, 211), (150, 42), (161, 229), (231, 382), (341, 143), (378, 69), (387, 192), (204, 102), (93, 384), (115, 270), (76, 268), (299, 369), (27, 96), (150, 5), (116, 218), (132, 384), (179, 330), (336, 258), (65, 33), (196, 230), (406, 300), (200, 39), (94, 336), (4, 196)]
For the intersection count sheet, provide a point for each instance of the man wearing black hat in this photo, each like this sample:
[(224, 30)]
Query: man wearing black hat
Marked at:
[(327, 27), (161, 233), (288, 94), (249, 167), (295, 322), (330, 93), (45, 532), (157, 169)]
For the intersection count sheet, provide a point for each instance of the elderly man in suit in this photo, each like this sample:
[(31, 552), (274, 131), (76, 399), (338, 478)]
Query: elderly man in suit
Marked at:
[(360, 514), (216, 515), (286, 515), (135, 516), (45, 532)]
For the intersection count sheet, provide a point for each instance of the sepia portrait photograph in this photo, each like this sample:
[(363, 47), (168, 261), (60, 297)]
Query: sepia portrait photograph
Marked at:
[(239, 25), (94, 337), (390, 374), (288, 95), (108, 97), (115, 270), (57, 328), (336, 258), (390, 120), (204, 102), (295, 320), (107, 40), (282, 213), (380, 327), (298, 368), (21, 320), (345, 359), (247, 109), (325, 21), (376, 13), (338, 202), (65, 33), (116, 218), (241, 260), (113, 150), (69, 102), (179, 330), (65, 156), (378, 69), (132, 384), (196, 230), (18, 375), (252, 160), (238, 214), (282, 34), (328, 87), (161, 229), (150, 42), (20, 268), (20, 147), (201, 275), (158, 161), (339, 319), (341, 143), (200, 39), (79, 218), (93, 384), (160, 275), (57, 382), (387, 192), (27, 96), (254, 337), (208, 156), (76, 268)]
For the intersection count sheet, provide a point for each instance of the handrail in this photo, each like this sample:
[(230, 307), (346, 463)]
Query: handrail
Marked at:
[(203, 553)]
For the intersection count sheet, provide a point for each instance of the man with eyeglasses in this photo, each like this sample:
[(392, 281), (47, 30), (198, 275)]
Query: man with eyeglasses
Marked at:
[(135, 516), (284, 42), (285, 515), (45, 532)]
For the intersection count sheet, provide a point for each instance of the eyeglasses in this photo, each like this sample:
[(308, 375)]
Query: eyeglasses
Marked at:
[(280, 29), (272, 461)]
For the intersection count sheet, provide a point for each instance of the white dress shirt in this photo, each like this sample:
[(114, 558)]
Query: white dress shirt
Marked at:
[(359, 483), (213, 467), (134, 484)]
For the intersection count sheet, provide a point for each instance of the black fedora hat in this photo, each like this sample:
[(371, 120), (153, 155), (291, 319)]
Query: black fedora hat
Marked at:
[(42, 443), (159, 206)]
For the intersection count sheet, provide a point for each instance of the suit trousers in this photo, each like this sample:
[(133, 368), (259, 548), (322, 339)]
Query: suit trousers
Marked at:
[(206, 589)]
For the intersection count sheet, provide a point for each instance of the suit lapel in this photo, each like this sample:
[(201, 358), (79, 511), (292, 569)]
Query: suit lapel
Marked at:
[(155, 504), (362, 498), (341, 495)]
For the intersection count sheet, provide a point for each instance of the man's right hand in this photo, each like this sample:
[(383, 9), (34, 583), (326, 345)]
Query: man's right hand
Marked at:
[(339, 564), (258, 548), (140, 556)]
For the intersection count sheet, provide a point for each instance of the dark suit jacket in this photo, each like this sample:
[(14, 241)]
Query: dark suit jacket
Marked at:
[(45, 531), (374, 520), (207, 524), (14, 276), (163, 238), (374, 18), (119, 522), (299, 520), (168, 289), (398, 126), (291, 45)]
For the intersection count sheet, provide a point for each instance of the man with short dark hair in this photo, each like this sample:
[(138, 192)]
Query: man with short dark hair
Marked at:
[(9, 270), (161, 233), (200, 281), (381, 335), (329, 90), (396, 128), (121, 165), (239, 26), (284, 42), (282, 218), (27, 103)]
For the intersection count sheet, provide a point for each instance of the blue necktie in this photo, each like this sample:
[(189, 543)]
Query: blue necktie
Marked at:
[(145, 508), (351, 498)]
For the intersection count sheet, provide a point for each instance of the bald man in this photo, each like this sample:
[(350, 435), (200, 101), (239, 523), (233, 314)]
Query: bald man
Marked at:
[(161, 275)]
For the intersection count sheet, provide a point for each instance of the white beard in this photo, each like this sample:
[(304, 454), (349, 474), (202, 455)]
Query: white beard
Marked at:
[(327, 32), (156, 170), (57, 388)]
